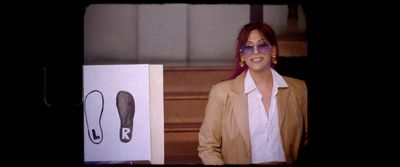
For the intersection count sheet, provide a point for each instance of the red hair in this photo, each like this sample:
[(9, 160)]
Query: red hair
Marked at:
[(244, 33)]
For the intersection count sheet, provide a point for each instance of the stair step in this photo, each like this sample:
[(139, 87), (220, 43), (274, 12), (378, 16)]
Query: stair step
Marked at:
[(185, 95), (180, 147), (186, 90), (193, 79), (191, 160), (292, 45), (184, 107), (182, 127)]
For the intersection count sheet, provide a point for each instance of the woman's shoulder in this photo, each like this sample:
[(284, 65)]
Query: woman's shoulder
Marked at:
[(220, 89), (295, 83), (293, 80), (222, 85)]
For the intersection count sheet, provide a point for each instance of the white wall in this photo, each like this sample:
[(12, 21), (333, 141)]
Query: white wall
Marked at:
[(302, 20), (213, 30), (125, 33), (276, 17), (110, 33), (163, 32)]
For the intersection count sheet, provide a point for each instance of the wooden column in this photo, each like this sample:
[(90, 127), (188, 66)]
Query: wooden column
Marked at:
[(293, 19), (256, 13)]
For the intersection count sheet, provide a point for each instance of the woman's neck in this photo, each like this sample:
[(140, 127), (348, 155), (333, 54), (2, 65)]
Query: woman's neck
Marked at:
[(262, 77)]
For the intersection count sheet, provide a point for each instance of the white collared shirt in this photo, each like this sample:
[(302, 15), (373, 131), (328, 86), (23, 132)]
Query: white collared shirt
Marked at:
[(265, 138)]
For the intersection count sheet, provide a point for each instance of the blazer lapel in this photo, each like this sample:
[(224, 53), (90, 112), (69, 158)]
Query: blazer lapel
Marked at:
[(283, 95), (239, 108)]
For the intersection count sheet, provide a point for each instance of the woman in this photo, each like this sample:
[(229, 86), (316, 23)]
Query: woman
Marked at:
[(257, 116)]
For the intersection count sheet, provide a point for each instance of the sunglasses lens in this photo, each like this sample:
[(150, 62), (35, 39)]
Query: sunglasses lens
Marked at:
[(247, 50), (264, 48)]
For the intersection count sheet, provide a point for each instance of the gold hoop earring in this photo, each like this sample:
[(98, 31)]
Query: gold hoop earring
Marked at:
[(274, 59), (241, 63)]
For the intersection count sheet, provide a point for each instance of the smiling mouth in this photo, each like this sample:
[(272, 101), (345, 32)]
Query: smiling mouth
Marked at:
[(256, 59)]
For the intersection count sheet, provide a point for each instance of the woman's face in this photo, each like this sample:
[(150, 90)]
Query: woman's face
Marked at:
[(257, 52)]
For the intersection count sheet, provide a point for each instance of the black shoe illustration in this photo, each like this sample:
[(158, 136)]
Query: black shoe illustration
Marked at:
[(126, 111), (93, 109)]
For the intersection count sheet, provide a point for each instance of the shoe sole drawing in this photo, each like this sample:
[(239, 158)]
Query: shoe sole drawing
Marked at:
[(126, 111), (93, 109)]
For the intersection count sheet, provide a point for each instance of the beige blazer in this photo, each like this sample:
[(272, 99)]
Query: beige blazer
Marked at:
[(224, 136)]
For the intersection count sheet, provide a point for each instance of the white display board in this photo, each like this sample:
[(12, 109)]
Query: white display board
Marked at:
[(117, 113)]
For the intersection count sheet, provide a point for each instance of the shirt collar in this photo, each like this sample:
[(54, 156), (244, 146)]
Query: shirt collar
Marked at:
[(277, 80), (249, 84)]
